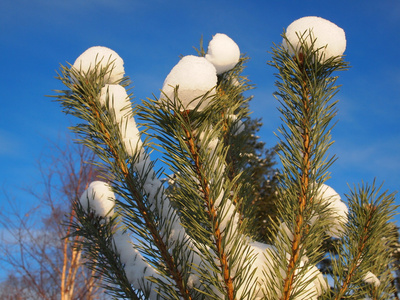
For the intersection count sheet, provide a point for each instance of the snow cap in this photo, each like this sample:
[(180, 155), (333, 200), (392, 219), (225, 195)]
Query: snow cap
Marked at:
[(124, 246), (100, 198), (117, 98), (223, 53), (326, 34), (371, 278), (101, 56), (195, 76), (136, 268), (119, 102), (338, 209), (264, 270), (131, 136)]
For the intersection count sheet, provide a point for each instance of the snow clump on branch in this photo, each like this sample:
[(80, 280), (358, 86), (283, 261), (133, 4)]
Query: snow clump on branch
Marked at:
[(102, 57), (223, 53), (264, 272), (371, 278), (137, 270), (193, 77), (337, 208), (327, 37), (115, 97), (98, 197)]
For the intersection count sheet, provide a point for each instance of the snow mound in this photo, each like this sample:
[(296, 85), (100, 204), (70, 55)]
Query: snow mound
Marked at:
[(117, 99), (194, 77), (223, 53), (135, 266), (131, 136), (327, 35), (371, 278), (103, 57), (338, 209), (99, 197), (264, 272)]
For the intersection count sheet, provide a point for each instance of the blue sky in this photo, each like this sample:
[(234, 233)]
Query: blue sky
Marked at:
[(37, 35)]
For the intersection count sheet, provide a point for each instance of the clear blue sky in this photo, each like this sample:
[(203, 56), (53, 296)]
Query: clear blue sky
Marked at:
[(37, 35)]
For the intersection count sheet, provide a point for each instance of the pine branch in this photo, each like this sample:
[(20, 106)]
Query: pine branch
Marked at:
[(180, 124), (305, 89), (192, 239), (197, 158), (83, 103), (369, 236), (211, 211), (97, 245), (304, 183)]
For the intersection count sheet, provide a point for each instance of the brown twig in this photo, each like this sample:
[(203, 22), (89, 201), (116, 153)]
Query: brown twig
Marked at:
[(303, 195), (157, 238), (212, 212), (356, 261)]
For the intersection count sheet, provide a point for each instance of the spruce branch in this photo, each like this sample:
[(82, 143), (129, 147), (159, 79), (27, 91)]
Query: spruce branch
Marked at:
[(102, 136), (196, 150), (305, 88), (189, 155), (366, 248), (196, 239), (95, 237), (212, 213)]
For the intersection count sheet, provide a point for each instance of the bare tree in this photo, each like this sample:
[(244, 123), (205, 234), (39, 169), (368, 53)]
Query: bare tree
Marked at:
[(40, 262)]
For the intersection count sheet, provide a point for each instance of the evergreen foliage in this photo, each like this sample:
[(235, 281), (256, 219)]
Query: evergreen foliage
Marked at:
[(225, 228)]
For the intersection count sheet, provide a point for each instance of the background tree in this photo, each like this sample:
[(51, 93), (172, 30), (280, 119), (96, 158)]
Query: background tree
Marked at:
[(41, 262)]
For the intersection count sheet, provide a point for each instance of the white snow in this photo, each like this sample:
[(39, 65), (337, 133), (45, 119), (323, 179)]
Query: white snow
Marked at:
[(130, 136), (315, 287), (117, 99), (223, 53), (283, 228), (328, 36), (265, 271), (228, 215), (195, 76), (336, 216), (262, 264), (371, 278), (100, 198), (124, 246), (103, 57), (338, 210), (154, 189), (210, 143), (235, 80), (135, 266)]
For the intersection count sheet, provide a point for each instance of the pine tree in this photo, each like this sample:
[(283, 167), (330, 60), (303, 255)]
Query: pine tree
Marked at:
[(200, 237)]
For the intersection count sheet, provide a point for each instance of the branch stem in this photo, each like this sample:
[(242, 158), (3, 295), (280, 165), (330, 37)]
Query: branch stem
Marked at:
[(212, 212), (356, 261), (146, 214), (303, 194)]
